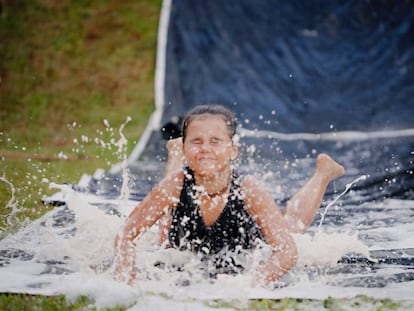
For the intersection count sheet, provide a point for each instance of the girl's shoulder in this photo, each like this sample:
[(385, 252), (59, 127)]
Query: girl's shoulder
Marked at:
[(172, 183), (252, 187), (250, 182), (175, 177)]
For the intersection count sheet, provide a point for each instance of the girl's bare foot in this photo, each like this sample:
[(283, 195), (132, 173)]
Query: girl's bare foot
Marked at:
[(329, 167)]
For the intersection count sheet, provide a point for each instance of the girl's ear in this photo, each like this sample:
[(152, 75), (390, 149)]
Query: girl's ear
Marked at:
[(234, 152)]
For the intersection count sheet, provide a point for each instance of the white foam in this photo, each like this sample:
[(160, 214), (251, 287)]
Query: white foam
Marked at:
[(327, 248), (82, 251)]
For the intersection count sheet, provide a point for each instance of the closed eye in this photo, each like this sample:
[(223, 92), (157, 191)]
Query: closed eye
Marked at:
[(216, 140), (195, 141)]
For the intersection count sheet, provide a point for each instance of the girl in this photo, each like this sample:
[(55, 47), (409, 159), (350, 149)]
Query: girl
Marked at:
[(210, 209)]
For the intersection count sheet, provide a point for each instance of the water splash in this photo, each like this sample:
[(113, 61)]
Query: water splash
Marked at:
[(82, 251), (10, 205), (347, 188), (122, 150)]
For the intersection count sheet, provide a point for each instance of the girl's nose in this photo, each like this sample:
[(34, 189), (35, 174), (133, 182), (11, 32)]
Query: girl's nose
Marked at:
[(205, 147)]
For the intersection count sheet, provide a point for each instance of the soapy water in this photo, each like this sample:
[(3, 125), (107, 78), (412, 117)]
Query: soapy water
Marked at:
[(11, 203), (356, 249), (70, 251)]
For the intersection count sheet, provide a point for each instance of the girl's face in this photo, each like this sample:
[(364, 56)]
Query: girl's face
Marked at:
[(208, 147)]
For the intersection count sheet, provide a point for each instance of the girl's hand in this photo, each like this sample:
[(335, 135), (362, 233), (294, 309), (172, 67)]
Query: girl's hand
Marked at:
[(124, 260), (125, 274), (175, 159), (175, 146), (270, 271)]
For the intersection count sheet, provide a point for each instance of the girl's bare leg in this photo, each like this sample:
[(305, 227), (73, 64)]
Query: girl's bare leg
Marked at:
[(302, 207), (175, 161)]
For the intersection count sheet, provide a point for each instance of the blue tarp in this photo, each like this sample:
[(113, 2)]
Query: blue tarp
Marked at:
[(317, 65)]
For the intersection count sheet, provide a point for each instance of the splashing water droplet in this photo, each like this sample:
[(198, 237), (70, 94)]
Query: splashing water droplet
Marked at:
[(347, 188)]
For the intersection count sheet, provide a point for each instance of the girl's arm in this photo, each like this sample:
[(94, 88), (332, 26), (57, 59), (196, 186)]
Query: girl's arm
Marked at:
[(175, 162), (162, 198), (274, 228)]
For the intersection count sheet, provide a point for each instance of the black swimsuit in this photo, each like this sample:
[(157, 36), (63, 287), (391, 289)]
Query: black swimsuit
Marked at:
[(233, 230)]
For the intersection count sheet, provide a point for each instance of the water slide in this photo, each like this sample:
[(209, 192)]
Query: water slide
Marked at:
[(303, 77), (331, 76)]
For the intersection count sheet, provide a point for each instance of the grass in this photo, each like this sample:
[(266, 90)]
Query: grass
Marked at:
[(18, 302), (71, 73)]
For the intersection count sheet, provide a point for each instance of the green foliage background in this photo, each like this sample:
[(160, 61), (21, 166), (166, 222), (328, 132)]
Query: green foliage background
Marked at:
[(71, 73)]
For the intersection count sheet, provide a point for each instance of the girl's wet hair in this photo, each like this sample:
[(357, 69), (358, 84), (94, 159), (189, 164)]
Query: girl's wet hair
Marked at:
[(213, 109)]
